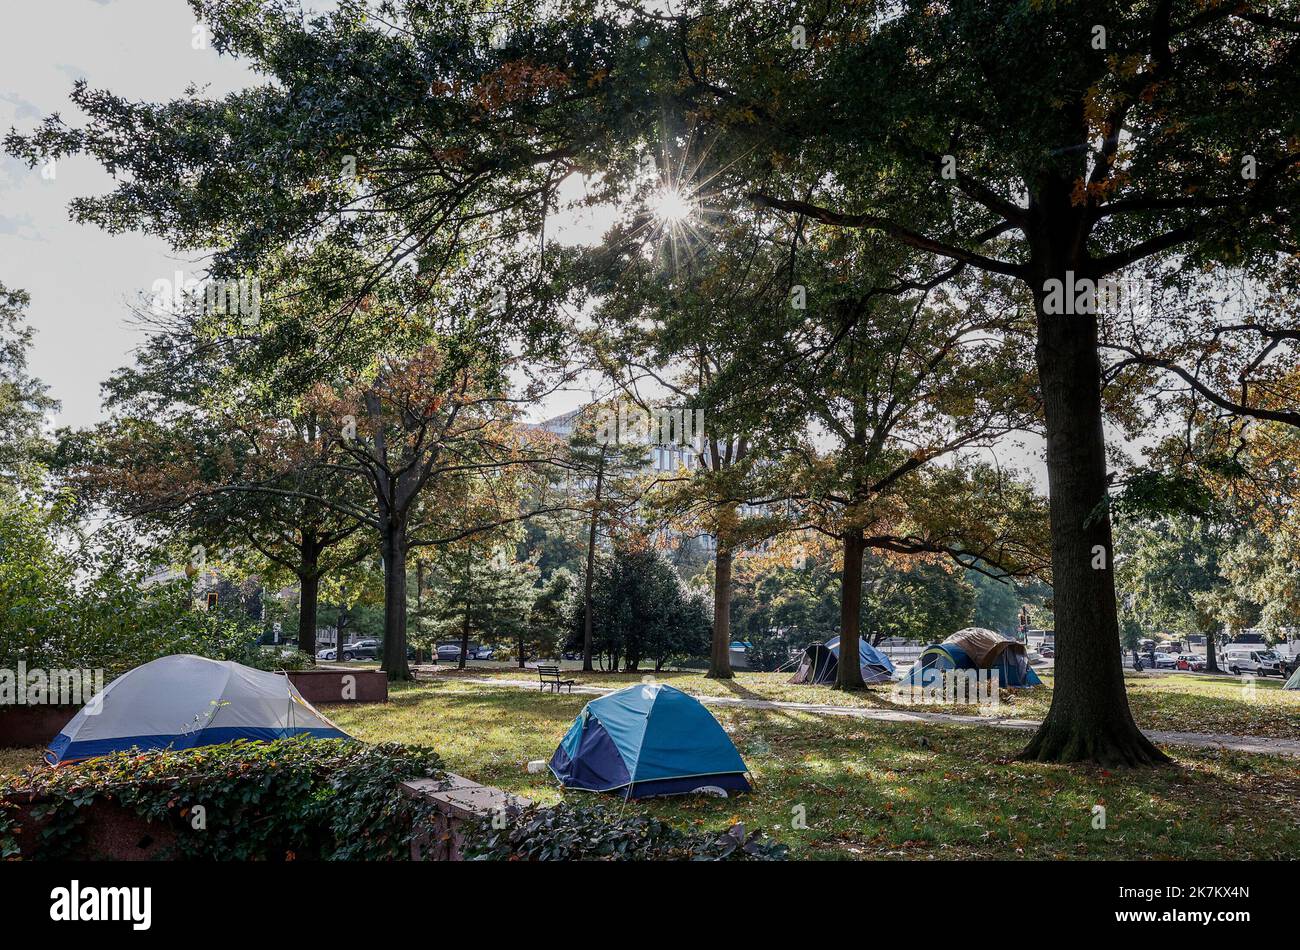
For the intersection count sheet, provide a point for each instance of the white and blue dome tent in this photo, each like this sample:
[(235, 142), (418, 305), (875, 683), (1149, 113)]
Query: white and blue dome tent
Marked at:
[(648, 739), (821, 661), (185, 701)]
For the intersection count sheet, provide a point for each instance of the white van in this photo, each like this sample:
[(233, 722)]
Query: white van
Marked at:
[(1250, 658)]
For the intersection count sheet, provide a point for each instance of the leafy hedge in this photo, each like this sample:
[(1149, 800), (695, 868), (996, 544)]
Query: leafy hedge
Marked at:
[(569, 833), (290, 799), (321, 800)]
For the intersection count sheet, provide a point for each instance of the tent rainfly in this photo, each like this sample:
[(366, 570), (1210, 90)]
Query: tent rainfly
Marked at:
[(821, 662), (184, 701), (976, 648), (648, 739)]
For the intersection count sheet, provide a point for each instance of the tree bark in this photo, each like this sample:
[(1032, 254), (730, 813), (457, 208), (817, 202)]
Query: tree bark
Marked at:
[(849, 670), (465, 606), (340, 628), (394, 662), (464, 638), (720, 652), (419, 603), (1211, 661), (587, 623), (1089, 719), (308, 605), (308, 592)]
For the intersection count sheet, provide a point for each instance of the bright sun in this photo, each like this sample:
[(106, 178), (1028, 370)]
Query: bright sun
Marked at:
[(672, 205)]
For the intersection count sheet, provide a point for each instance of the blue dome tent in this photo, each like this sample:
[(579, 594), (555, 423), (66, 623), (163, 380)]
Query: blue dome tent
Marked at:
[(975, 648), (821, 661), (647, 739)]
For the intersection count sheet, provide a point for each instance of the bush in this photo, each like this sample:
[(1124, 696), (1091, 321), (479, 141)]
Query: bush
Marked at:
[(86, 605), (322, 799), (641, 611), (567, 833)]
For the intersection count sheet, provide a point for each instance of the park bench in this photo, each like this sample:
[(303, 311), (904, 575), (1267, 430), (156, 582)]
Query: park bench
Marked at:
[(550, 676)]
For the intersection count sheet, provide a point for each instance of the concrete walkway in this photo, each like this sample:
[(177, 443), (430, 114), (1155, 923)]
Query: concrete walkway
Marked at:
[(1256, 744)]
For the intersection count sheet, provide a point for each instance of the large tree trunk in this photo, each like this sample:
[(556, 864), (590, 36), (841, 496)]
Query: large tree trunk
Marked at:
[(464, 624), (308, 593), (1211, 661), (419, 603), (849, 670), (308, 605), (587, 622), (464, 638), (1089, 720), (394, 543), (720, 652)]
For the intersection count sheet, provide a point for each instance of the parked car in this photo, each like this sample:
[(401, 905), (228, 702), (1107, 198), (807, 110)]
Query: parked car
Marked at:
[(482, 653), (327, 654), (1166, 661), (1249, 658), (362, 650), (449, 652), (1047, 652), (1191, 662)]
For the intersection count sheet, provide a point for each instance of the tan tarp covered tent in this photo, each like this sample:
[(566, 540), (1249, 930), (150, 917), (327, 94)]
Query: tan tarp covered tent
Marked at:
[(984, 646)]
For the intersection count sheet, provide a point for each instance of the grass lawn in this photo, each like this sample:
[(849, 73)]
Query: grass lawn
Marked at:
[(875, 789), (872, 789), (1173, 702), (15, 760)]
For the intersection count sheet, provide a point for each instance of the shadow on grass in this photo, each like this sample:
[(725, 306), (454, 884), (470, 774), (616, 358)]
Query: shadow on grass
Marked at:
[(877, 789)]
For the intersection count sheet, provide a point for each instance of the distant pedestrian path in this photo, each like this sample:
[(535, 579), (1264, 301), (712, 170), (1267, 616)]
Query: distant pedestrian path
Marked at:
[(1254, 744)]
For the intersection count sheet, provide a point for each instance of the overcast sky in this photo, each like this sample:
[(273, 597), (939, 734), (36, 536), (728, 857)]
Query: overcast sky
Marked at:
[(80, 278)]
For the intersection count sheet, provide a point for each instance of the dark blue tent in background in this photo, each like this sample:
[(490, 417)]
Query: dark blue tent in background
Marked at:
[(647, 739), (820, 663)]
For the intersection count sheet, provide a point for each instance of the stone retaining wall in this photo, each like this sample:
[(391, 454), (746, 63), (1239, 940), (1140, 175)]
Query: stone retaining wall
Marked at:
[(340, 685), (23, 726), (457, 800), (110, 832)]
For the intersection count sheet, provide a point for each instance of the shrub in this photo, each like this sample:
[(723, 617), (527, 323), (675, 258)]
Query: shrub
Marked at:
[(292, 798), (641, 610), (82, 604), (568, 833)]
